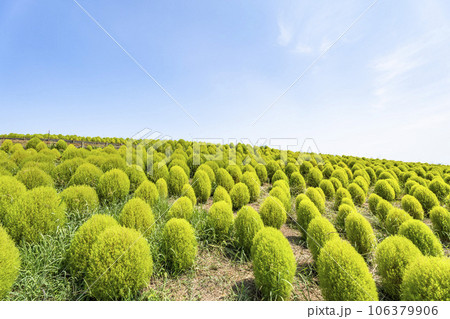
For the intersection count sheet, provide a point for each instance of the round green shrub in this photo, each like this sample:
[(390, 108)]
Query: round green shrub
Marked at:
[(64, 171), (247, 224), (297, 183), (136, 175), (61, 145), (316, 197), (81, 199), (412, 206), (327, 188), (261, 171), (201, 185), (236, 173), (7, 146), (161, 186), (279, 175), (221, 194), (10, 190), (341, 176), (158, 171), (284, 185), (320, 230), (221, 218), (240, 195), (253, 185), (80, 247), (392, 257), (137, 214), (86, 174), (363, 183), (314, 177), (440, 188), (336, 183), (373, 201), (283, 196), (394, 219), (290, 169), (224, 179), (274, 264), (357, 193), (34, 177), (182, 163), (427, 198), (383, 209), (209, 171), (37, 212), (305, 167), (306, 212), (343, 211), (421, 236), (177, 179), (32, 143), (120, 264), (272, 212), (189, 192), (271, 168), (427, 279), (360, 233), (113, 186), (341, 193), (299, 199), (148, 192), (181, 208), (179, 244), (395, 186), (384, 190), (343, 273), (9, 262), (440, 218), (114, 162)]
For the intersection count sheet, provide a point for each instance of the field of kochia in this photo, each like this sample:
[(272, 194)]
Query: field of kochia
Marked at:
[(178, 220)]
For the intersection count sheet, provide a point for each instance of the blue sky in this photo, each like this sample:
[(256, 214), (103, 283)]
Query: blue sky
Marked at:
[(381, 91)]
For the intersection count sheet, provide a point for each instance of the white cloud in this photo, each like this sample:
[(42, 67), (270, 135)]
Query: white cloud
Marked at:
[(285, 34)]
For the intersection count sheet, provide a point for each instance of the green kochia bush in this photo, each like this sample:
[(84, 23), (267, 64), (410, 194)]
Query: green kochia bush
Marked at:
[(427, 198), (37, 212), (179, 244), (253, 184), (161, 186), (360, 233), (316, 197), (240, 195), (148, 192), (80, 247), (279, 175), (320, 230), (394, 219), (182, 208), (297, 183), (224, 179), (261, 171), (82, 199), (34, 177), (341, 193), (189, 192), (136, 175), (236, 173), (314, 177), (392, 257), (328, 188), (373, 201), (201, 185), (384, 190), (427, 279), (358, 194), (306, 212), (137, 214), (9, 262), (421, 236), (343, 211), (221, 194), (221, 218), (247, 224), (440, 188), (412, 206), (274, 264), (86, 174), (272, 212), (113, 186), (440, 218), (177, 179), (283, 195), (343, 273), (10, 190), (120, 264), (383, 209)]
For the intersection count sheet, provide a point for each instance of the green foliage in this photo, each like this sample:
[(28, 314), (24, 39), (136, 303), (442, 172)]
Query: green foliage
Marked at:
[(236, 173), (34, 177), (271, 168), (148, 192), (177, 179), (163, 191), (6, 146), (297, 183), (81, 199), (327, 188), (37, 212), (357, 193), (64, 171), (201, 185), (274, 264), (306, 212), (253, 184), (240, 195), (392, 257), (343, 211), (209, 171), (427, 198), (120, 264), (314, 177), (182, 208), (421, 236), (136, 175), (383, 209), (299, 199), (189, 192), (221, 194), (279, 175), (373, 201), (394, 219), (137, 214), (272, 212), (395, 186), (220, 218), (113, 186), (360, 233), (440, 218), (341, 193), (261, 171), (33, 143), (336, 183), (316, 197), (439, 188), (341, 176), (343, 273), (412, 206), (384, 190), (114, 162), (10, 190), (427, 279), (86, 174), (179, 244), (61, 145), (80, 247), (9, 262), (224, 179), (247, 224), (320, 230), (283, 195)]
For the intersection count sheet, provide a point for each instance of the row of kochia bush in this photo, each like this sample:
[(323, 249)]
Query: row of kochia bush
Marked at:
[(236, 187)]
